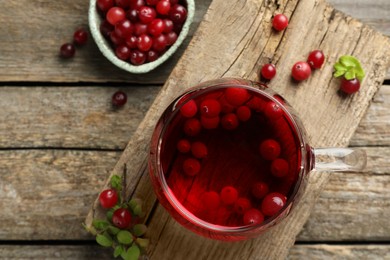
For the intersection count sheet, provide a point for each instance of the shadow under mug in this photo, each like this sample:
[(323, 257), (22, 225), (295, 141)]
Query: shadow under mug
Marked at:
[(229, 159)]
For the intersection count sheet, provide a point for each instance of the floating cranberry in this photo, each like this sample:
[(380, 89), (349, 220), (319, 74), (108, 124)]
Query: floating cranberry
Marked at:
[(199, 149), (316, 59), (236, 96), (229, 195), (270, 149), (121, 218), (280, 22), (115, 14), (80, 37), (108, 198), (301, 71), (273, 203), (163, 7), (255, 103), (211, 200), (350, 86), (209, 122), (189, 109), (268, 71), (137, 57), (192, 127), (184, 146), (191, 166), (273, 111), (210, 108), (178, 14), (243, 113), (242, 205), (279, 168), (259, 190), (67, 50), (119, 98), (229, 121), (253, 217)]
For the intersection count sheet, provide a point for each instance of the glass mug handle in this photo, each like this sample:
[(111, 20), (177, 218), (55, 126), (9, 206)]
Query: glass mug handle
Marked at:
[(339, 159)]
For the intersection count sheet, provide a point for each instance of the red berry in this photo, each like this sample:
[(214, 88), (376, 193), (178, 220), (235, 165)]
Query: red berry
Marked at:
[(273, 203), (145, 42), (184, 146), (163, 7), (122, 3), (272, 110), (255, 103), (268, 71), (279, 168), (106, 28), (67, 50), (119, 98), (115, 14), (242, 205), (270, 149), (137, 57), (121, 218), (316, 59), (168, 25), (171, 38), (104, 5), (191, 166), (253, 217), (80, 37), (280, 22), (189, 109), (146, 14), (122, 52), (192, 127), (178, 14), (229, 195), (156, 27), (124, 28), (229, 121), (159, 43), (211, 200), (152, 55), (301, 71), (199, 149), (243, 113), (108, 198), (136, 4), (210, 108), (132, 15), (140, 28), (350, 86), (152, 2), (236, 96), (115, 39), (209, 122), (259, 190), (131, 42)]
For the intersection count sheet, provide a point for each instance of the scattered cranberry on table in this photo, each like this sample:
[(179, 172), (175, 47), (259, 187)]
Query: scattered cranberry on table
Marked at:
[(280, 22), (315, 59), (119, 99), (301, 71), (80, 37), (268, 71), (67, 50), (350, 86)]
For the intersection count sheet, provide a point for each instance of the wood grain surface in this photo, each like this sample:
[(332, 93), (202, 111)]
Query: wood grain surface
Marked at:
[(330, 124)]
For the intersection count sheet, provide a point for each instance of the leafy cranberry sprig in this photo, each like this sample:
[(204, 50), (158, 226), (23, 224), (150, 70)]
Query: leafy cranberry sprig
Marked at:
[(121, 229), (350, 68)]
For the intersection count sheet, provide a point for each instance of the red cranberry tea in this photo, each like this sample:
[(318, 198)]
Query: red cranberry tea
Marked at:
[(230, 156)]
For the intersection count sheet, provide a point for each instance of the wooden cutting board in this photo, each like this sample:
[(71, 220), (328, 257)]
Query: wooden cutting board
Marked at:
[(234, 39)]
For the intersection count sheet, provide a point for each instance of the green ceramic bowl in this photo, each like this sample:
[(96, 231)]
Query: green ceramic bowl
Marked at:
[(94, 20)]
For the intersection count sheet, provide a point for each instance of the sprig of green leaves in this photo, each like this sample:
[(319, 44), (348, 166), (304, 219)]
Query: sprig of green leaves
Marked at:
[(349, 67)]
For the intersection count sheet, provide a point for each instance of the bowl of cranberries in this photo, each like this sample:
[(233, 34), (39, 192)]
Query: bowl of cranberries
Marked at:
[(139, 35)]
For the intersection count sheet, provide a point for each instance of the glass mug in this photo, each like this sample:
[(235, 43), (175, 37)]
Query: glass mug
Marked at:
[(229, 159)]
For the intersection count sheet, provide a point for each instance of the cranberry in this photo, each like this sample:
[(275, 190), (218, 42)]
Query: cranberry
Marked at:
[(280, 22), (229, 195), (229, 121), (178, 14), (104, 5), (191, 166), (209, 122), (243, 113), (123, 3), (115, 14), (132, 42), (279, 168), (152, 2), (121, 218), (159, 43), (270, 149), (192, 127), (301, 71), (171, 38), (124, 28), (136, 4), (168, 25), (316, 59), (236, 96), (140, 28), (67, 50), (115, 39), (184, 146), (108, 198), (119, 98), (273, 203), (106, 28), (156, 27), (132, 15), (273, 110), (152, 55), (242, 205), (145, 42), (199, 150), (122, 52), (268, 71), (259, 190), (255, 103), (350, 86), (189, 109), (173, 2), (210, 108), (163, 7), (80, 37), (253, 217), (146, 14), (137, 57), (211, 200)]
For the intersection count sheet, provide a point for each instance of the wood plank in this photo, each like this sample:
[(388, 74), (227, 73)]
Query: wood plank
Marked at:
[(38, 41), (298, 252), (243, 45)]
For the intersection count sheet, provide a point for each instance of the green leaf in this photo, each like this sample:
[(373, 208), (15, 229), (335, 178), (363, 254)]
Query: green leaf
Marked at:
[(338, 73), (339, 67), (139, 229), (113, 230), (349, 61), (137, 210), (116, 182), (134, 203), (132, 253), (118, 251), (104, 240), (143, 242), (100, 224), (124, 237), (350, 74)]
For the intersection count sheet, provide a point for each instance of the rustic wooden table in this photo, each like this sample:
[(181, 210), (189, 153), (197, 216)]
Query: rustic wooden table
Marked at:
[(60, 138)]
